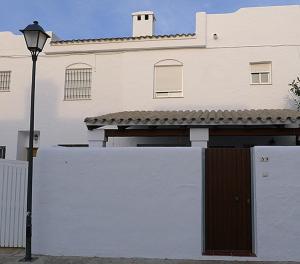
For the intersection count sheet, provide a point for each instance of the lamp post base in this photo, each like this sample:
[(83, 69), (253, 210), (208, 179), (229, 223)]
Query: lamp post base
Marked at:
[(32, 259)]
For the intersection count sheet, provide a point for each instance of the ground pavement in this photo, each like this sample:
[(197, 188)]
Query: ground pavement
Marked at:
[(13, 256)]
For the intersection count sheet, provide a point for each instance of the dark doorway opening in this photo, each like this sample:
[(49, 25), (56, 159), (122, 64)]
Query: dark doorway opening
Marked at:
[(2, 152), (228, 220)]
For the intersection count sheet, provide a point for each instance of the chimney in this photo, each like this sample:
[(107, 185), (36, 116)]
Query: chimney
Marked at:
[(143, 23)]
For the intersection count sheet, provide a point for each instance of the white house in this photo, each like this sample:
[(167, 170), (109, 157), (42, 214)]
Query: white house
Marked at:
[(235, 61), (220, 90)]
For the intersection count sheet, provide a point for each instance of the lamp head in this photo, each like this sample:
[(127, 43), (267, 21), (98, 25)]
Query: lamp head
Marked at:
[(35, 37)]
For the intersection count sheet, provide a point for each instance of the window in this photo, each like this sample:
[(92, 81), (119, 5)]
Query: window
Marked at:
[(168, 79), (2, 152), (4, 81), (78, 83), (146, 17), (261, 73), (139, 17)]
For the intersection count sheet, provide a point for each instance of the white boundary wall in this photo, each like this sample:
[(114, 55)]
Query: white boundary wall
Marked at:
[(118, 202), (147, 202), (277, 203)]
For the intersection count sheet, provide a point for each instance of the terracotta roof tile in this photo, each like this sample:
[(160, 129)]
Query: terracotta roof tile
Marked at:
[(225, 117)]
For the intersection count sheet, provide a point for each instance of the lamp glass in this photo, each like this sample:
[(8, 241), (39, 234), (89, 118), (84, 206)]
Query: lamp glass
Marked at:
[(41, 40), (31, 38)]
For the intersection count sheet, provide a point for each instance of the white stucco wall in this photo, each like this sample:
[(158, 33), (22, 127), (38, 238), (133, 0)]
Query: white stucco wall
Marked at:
[(277, 203), (216, 73), (147, 202), (127, 202)]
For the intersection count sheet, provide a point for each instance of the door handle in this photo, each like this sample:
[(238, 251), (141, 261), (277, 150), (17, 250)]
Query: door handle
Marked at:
[(236, 198)]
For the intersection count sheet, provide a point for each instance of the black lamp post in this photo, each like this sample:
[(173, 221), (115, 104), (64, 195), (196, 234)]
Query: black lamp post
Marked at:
[(35, 38)]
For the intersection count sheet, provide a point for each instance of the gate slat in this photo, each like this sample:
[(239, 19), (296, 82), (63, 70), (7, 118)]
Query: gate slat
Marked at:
[(13, 185)]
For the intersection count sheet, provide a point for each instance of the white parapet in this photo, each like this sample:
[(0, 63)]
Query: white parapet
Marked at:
[(201, 26)]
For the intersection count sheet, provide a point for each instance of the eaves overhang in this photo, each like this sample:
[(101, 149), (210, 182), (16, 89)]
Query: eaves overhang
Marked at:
[(198, 118)]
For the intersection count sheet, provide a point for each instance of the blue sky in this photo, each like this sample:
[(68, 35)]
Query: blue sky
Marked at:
[(72, 19)]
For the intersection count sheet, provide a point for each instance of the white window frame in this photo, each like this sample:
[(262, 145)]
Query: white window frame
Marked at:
[(269, 72), (167, 94)]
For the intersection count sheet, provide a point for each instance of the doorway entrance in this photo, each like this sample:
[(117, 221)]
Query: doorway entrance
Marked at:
[(228, 220)]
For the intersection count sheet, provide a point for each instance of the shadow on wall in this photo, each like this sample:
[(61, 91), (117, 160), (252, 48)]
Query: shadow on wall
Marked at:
[(45, 107), (50, 111)]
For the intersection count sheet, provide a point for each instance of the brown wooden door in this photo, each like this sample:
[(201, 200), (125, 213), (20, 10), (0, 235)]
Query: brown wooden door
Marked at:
[(228, 223)]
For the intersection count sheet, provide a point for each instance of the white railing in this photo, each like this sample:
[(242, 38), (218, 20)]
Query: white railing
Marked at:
[(13, 187)]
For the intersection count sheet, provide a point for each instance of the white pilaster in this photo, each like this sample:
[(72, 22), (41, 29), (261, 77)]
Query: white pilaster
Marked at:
[(199, 137), (96, 138)]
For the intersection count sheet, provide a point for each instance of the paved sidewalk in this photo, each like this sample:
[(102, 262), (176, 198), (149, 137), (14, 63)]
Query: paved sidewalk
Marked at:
[(13, 256)]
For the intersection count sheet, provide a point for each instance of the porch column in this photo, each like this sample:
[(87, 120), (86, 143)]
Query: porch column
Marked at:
[(294, 126), (97, 138), (199, 137)]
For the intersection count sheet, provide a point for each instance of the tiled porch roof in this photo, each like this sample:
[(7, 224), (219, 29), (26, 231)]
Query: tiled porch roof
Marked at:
[(202, 118)]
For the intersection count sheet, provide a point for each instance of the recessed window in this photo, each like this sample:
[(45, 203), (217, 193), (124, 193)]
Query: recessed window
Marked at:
[(4, 81), (146, 17), (78, 83), (2, 152), (139, 17), (168, 79), (261, 73)]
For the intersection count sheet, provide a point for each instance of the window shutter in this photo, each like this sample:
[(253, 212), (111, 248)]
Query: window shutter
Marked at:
[(168, 78), (260, 67)]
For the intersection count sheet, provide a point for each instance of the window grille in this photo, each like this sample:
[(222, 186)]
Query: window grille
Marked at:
[(4, 80), (2, 152), (78, 84)]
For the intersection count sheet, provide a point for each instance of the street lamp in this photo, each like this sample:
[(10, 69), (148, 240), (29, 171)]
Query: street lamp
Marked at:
[(35, 38)]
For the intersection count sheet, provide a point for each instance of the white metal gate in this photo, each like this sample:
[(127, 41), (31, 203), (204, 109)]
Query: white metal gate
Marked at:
[(13, 187)]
